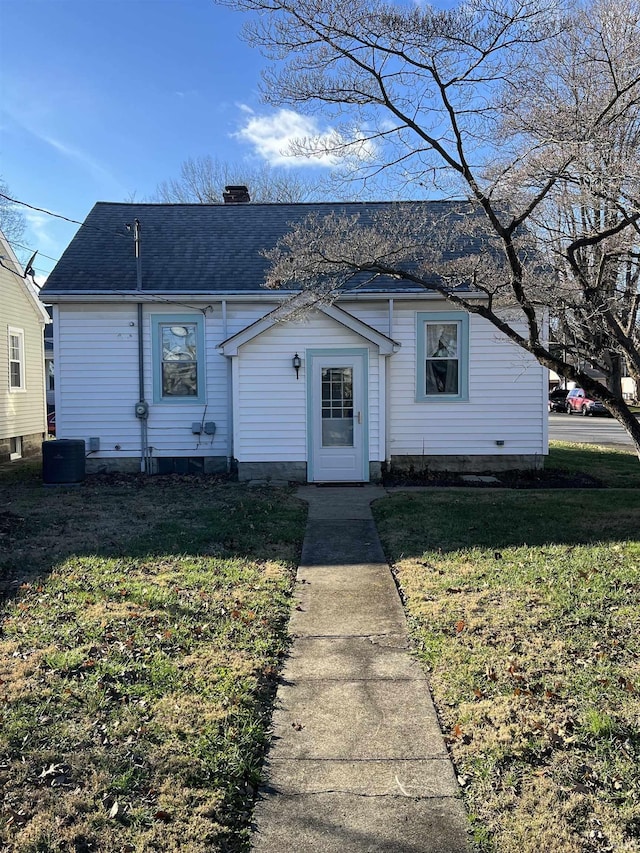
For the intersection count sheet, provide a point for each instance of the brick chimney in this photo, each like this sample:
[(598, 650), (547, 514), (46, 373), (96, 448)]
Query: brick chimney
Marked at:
[(236, 195)]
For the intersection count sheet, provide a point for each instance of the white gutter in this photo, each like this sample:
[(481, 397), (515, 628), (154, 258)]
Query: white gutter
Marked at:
[(179, 298)]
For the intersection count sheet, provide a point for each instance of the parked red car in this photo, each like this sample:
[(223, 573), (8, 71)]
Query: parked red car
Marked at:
[(578, 401)]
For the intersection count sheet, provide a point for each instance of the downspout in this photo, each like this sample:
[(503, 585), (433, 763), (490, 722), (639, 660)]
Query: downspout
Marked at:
[(387, 393), (229, 392), (142, 407)]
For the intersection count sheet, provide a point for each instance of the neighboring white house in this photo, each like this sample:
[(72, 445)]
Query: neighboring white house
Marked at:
[(49, 363), (629, 389), (178, 359), (23, 410)]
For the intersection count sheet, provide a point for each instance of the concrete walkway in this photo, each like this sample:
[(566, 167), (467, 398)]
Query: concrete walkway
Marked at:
[(358, 762)]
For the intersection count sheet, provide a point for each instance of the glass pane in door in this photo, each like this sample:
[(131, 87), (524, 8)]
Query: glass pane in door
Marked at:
[(337, 406)]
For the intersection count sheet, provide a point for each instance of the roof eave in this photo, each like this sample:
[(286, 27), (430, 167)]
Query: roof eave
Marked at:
[(179, 296)]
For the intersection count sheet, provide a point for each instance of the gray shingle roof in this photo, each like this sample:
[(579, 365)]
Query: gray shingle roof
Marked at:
[(190, 248)]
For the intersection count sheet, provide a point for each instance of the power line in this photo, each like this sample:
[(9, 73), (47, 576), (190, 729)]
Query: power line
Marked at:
[(28, 249), (65, 218), (40, 209), (150, 297)]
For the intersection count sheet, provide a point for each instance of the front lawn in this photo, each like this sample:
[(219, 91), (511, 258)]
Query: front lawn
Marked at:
[(524, 609), (615, 468), (143, 627)]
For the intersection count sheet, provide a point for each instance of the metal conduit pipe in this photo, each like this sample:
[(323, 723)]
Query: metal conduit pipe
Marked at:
[(229, 391), (142, 407)]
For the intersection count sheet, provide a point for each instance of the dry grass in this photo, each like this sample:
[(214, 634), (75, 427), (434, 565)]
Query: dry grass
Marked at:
[(141, 637), (524, 609)]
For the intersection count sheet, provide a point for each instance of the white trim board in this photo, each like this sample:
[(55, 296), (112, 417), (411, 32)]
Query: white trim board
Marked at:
[(386, 345)]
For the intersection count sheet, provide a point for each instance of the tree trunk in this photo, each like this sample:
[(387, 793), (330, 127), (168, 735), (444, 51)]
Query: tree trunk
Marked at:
[(616, 406), (614, 372)]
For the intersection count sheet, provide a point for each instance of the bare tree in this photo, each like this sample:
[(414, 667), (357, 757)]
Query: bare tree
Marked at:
[(528, 110), (12, 222), (587, 225), (202, 180)]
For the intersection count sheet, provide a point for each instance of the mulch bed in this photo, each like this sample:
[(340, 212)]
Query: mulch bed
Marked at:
[(546, 479)]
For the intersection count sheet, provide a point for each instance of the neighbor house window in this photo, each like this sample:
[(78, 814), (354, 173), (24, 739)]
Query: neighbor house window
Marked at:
[(16, 360), (442, 352), (51, 376), (178, 346)]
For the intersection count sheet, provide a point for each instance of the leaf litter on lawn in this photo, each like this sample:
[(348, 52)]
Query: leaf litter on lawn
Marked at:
[(137, 667), (533, 658)]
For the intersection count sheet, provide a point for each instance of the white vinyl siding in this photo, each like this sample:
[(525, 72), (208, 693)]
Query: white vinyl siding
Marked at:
[(97, 384), (374, 314), (507, 397), (97, 376), (270, 406)]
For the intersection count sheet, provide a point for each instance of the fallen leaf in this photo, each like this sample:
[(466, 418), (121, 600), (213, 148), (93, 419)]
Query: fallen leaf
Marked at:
[(580, 789), (16, 818), (162, 815)]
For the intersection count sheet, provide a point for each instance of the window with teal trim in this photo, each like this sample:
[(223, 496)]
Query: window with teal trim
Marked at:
[(442, 339), (178, 369)]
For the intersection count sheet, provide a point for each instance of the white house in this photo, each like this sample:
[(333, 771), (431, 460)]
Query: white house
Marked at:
[(170, 356), (23, 413)]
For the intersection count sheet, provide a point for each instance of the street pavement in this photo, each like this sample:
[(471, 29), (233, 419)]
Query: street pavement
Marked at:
[(605, 431)]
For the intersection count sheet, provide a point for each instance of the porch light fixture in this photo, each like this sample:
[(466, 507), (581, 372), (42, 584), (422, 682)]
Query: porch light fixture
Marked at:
[(297, 364)]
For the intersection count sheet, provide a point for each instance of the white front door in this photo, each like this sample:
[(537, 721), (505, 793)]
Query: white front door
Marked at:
[(338, 417)]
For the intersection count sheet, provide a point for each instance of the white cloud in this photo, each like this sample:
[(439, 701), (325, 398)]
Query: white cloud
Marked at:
[(38, 224), (48, 235), (37, 115), (274, 138), (96, 169)]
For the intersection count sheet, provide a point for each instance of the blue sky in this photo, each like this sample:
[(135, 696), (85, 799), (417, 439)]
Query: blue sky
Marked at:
[(100, 100)]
